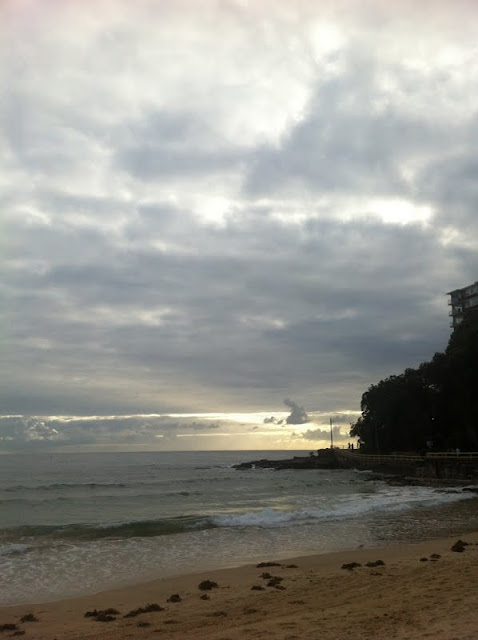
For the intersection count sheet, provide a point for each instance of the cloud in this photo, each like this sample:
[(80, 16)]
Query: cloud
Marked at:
[(40, 432), (212, 207), (152, 432), (298, 415), (324, 434)]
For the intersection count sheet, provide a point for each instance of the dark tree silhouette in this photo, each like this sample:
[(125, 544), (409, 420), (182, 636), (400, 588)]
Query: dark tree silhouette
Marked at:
[(434, 405)]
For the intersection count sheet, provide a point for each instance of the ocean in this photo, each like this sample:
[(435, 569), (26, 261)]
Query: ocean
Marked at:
[(72, 524)]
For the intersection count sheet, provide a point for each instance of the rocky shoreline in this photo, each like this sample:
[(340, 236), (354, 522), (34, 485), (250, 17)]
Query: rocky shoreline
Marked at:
[(325, 459)]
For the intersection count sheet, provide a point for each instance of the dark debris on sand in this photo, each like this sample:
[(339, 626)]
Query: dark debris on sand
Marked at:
[(351, 565), (147, 609), (102, 615), (459, 546), (207, 585), (377, 563), (175, 598), (275, 581), (29, 617)]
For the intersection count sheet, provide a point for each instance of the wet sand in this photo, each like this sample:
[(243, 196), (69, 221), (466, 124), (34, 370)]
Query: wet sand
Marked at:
[(414, 594)]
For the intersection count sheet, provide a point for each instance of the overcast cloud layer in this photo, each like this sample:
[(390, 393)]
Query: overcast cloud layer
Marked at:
[(214, 206)]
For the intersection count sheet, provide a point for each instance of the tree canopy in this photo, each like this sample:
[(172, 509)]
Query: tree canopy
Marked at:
[(434, 406)]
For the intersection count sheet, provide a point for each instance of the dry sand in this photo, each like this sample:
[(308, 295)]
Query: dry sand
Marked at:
[(316, 599)]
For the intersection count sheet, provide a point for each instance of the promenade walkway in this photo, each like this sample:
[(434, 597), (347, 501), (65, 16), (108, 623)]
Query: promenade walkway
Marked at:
[(432, 464)]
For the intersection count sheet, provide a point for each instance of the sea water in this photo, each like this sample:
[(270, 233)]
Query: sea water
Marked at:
[(77, 523)]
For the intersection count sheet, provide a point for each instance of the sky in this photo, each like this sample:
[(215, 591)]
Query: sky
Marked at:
[(212, 207)]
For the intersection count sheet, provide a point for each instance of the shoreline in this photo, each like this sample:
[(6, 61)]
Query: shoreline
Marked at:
[(397, 469), (406, 597)]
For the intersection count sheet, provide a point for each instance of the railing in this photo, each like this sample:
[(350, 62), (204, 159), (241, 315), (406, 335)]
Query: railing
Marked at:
[(371, 457), (456, 455), (430, 455)]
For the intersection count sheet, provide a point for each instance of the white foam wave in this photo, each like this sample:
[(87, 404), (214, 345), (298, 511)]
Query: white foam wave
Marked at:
[(13, 549), (396, 499), (266, 518)]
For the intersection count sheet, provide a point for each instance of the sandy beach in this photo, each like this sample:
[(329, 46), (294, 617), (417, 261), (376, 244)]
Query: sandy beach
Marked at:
[(416, 591)]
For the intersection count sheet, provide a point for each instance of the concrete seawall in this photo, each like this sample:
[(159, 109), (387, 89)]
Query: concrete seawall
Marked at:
[(440, 466)]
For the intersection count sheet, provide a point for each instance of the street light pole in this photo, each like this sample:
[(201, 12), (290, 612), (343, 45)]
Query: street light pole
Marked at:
[(331, 435)]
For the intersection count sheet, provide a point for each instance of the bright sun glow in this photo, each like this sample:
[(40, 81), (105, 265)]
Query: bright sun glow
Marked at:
[(402, 212), (213, 208), (326, 38), (393, 211)]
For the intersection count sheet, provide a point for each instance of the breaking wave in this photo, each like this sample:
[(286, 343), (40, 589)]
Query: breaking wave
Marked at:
[(269, 517)]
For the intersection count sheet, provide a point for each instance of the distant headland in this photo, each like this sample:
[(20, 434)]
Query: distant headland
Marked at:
[(407, 468)]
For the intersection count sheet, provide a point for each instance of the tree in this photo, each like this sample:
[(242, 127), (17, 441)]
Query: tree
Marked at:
[(435, 403)]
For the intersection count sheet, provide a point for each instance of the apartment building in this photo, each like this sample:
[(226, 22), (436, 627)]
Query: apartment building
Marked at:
[(461, 301)]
